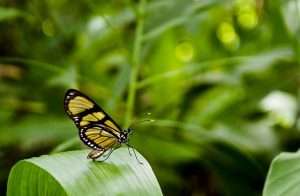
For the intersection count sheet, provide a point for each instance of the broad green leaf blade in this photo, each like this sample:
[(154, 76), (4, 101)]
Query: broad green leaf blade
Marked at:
[(284, 175), (71, 173)]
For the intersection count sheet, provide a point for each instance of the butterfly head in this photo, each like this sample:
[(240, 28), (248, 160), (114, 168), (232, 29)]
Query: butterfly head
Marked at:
[(124, 136)]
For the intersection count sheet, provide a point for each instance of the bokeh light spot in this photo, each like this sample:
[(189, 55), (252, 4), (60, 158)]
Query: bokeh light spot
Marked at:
[(247, 18), (226, 33), (96, 24), (48, 28), (184, 51)]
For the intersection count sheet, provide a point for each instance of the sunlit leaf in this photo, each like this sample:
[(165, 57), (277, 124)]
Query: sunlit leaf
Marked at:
[(70, 173), (290, 14), (284, 175)]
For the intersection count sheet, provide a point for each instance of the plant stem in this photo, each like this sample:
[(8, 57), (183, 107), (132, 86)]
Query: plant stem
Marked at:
[(298, 80), (135, 61)]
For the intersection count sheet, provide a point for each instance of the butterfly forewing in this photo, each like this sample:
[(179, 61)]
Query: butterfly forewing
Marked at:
[(97, 129)]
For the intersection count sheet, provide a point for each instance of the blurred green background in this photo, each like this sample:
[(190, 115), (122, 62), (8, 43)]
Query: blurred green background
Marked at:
[(220, 78)]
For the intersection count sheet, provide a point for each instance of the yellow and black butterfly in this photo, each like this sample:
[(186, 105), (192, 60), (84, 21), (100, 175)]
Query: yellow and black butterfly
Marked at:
[(96, 129)]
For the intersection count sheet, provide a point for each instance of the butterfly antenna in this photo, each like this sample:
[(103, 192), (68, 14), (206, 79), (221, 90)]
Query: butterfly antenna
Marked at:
[(140, 122)]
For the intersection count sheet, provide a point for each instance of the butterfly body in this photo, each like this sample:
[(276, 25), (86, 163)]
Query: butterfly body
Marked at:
[(96, 129)]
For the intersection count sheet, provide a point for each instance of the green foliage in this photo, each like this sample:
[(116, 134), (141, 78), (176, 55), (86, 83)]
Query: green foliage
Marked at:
[(220, 78), (9, 13), (69, 173), (283, 175)]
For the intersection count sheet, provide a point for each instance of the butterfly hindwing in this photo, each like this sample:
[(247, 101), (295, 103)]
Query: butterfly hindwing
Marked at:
[(98, 137), (97, 129)]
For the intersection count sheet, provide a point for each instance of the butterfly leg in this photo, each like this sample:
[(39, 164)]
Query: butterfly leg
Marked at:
[(134, 153), (129, 150), (108, 155)]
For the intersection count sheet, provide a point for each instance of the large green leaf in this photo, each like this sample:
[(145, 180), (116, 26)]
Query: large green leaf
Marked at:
[(284, 175), (70, 173)]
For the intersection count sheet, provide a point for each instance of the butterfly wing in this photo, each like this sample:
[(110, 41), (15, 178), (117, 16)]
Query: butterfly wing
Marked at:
[(96, 129), (98, 137)]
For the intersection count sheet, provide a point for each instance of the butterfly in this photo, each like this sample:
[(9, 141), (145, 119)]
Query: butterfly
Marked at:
[(96, 128)]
